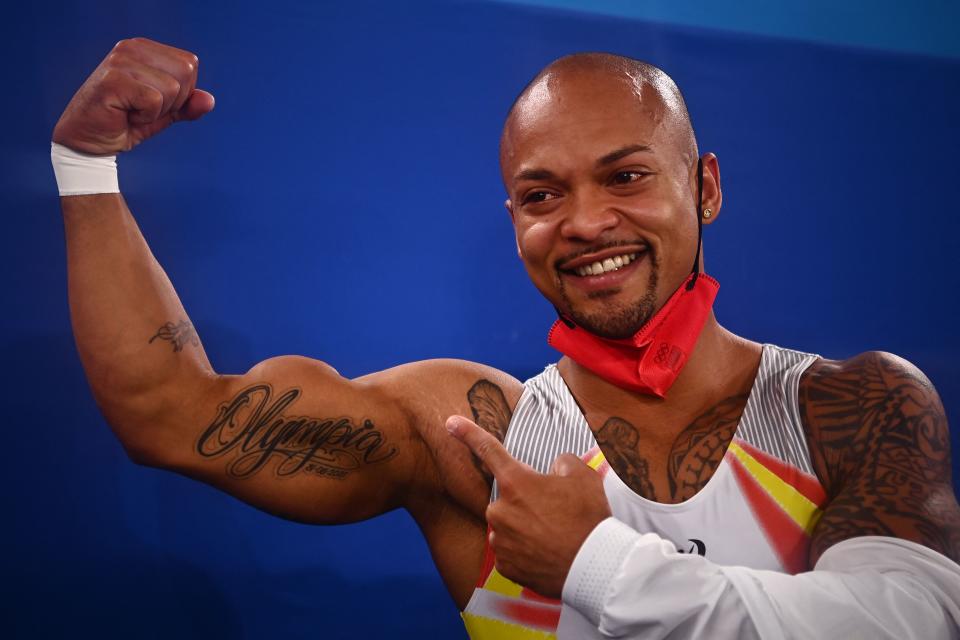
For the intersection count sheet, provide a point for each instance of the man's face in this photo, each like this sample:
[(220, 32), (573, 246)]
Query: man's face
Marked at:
[(603, 198)]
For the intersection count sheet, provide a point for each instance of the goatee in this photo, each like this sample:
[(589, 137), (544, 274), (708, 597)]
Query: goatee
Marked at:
[(616, 321)]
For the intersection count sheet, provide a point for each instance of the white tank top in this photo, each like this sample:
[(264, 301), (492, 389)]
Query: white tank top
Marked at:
[(757, 510)]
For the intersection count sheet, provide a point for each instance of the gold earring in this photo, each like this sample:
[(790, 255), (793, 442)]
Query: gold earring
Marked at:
[(707, 213)]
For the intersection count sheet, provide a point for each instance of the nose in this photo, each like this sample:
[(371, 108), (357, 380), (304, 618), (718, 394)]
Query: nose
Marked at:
[(588, 218)]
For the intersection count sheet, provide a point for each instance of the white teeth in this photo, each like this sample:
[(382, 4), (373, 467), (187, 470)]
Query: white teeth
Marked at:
[(607, 265)]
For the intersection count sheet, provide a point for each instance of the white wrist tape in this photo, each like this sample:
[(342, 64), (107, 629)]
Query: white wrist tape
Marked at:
[(80, 174)]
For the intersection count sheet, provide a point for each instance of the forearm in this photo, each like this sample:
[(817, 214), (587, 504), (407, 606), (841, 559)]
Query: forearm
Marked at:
[(120, 302), (865, 587)]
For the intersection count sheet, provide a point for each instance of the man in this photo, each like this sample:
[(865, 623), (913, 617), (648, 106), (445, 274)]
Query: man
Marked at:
[(752, 461)]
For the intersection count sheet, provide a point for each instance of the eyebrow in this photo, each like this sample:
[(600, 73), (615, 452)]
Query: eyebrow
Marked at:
[(535, 174), (610, 158), (619, 154)]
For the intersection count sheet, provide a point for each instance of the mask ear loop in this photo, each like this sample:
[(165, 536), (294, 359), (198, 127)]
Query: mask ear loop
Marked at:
[(565, 320), (696, 256)]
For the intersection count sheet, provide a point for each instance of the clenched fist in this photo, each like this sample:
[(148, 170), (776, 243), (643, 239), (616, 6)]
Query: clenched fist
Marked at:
[(139, 89)]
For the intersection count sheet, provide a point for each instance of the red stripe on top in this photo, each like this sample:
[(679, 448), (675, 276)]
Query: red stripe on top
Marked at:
[(785, 536), (530, 614), (489, 561), (805, 483), (530, 594)]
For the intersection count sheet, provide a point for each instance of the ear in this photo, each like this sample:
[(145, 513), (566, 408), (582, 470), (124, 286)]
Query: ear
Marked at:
[(712, 195), (508, 203)]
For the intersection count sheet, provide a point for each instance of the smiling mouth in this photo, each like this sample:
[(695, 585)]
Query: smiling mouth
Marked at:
[(607, 265)]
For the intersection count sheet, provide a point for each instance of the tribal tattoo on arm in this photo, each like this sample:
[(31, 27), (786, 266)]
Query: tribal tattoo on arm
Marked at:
[(179, 335), (259, 427), (880, 442), (694, 456)]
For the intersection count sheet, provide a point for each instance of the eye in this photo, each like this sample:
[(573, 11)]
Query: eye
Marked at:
[(538, 196), (627, 177)]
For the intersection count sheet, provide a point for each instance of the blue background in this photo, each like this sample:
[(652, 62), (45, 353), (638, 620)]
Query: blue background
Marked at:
[(343, 202)]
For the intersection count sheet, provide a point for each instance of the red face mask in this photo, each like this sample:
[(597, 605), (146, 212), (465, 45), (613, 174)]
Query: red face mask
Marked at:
[(651, 360)]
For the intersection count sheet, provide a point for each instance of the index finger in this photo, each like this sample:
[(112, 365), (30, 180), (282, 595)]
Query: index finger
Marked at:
[(484, 445)]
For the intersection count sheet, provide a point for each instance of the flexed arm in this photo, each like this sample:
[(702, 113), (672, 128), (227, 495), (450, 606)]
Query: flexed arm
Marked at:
[(290, 436)]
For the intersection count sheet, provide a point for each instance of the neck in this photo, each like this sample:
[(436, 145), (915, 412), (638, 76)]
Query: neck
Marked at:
[(721, 363)]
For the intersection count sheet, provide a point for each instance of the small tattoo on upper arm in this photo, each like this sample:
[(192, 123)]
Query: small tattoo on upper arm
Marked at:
[(257, 427), (179, 335), (492, 412), (490, 408)]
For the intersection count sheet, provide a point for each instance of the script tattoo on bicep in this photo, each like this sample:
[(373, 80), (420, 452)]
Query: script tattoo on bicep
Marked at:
[(179, 335), (489, 407), (259, 428), (880, 442)]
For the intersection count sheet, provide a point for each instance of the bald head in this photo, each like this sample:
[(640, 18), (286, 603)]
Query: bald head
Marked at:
[(598, 75)]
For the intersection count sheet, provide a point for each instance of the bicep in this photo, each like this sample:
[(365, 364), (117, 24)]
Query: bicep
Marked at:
[(294, 438), (884, 429)]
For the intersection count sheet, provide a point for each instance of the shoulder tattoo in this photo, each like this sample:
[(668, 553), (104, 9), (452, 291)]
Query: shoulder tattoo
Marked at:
[(880, 443), (489, 407)]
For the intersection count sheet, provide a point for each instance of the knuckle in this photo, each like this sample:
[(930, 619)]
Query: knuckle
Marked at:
[(110, 78), (173, 86), (493, 514), (484, 450), (127, 44), (152, 98)]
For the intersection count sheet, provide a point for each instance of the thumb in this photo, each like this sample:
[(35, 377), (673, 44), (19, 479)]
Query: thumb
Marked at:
[(198, 104), (568, 464)]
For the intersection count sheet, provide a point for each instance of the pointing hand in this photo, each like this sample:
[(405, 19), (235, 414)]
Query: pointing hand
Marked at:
[(539, 521)]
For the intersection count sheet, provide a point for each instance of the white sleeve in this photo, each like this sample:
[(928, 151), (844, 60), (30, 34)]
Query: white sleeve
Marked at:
[(632, 585)]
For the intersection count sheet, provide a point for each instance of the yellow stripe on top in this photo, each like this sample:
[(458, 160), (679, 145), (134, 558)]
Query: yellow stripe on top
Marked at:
[(498, 584), (596, 460), (796, 505), (483, 627)]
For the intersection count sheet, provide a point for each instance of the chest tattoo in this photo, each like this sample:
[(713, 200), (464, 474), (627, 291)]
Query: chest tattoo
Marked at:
[(691, 460)]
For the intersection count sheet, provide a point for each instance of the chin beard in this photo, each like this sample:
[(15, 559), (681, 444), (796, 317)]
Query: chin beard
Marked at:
[(616, 321)]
